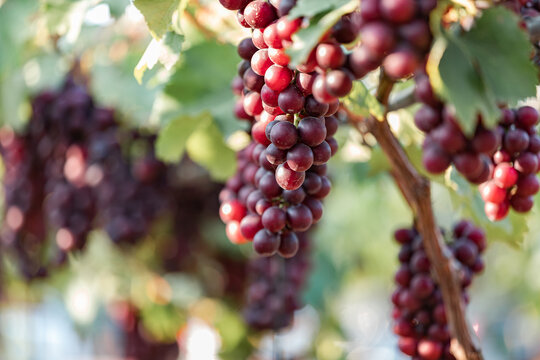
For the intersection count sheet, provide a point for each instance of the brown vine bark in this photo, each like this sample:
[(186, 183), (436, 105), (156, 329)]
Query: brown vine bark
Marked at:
[(417, 191)]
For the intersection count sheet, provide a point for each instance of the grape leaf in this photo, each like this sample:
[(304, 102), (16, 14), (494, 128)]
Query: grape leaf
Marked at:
[(158, 14), (200, 83), (481, 68), (207, 147), (172, 139), (455, 79), (165, 51), (306, 39), (311, 8), (202, 139), (362, 102)]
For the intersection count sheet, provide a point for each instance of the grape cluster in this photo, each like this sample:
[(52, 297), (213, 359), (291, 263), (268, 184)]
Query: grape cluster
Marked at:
[(281, 177), (504, 161), (513, 182), (394, 34), (445, 143), (73, 169), (419, 312), (53, 156), (274, 288), (131, 192)]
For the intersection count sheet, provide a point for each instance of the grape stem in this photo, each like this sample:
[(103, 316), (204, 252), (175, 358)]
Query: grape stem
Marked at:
[(416, 190)]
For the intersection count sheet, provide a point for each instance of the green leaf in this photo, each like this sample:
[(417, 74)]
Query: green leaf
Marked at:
[(456, 80), (172, 139), (165, 51), (207, 147), (362, 102), (117, 7), (202, 139), (201, 83), (158, 14), (484, 67), (503, 51), (311, 8), (306, 39)]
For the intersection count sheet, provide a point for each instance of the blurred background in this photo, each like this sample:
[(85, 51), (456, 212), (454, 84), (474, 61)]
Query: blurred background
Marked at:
[(175, 288)]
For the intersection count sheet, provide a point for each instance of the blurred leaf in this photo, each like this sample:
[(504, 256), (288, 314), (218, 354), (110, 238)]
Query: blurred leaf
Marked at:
[(158, 14), (117, 7), (203, 141), (166, 51), (362, 102), (200, 83), (306, 39), (163, 322), (15, 110), (207, 147), (115, 86), (311, 8), (378, 162), (172, 139), (465, 72), (230, 325)]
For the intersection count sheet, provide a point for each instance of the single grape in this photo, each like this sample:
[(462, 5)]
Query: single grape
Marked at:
[(314, 108), (259, 14), (299, 217), (330, 56), (312, 131), (339, 82), (312, 183), (284, 135), (291, 100), (271, 36), (300, 157), (274, 219), (427, 118), (289, 245), (250, 225), (278, 77), (289, 179), (246, 49), (265, 243), (294, 196), (505, 175)]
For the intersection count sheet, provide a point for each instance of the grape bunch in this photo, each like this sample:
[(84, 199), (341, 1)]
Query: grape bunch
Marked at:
[(504, 161), (274, 288), (394, 34), (281, 176), (419, 312), (132, 192), (74, 169), (445, 143), (514, 181)]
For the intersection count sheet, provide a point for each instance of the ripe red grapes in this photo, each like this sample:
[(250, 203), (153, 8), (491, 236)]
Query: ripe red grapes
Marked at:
[(71, 171), (395, 34), (274, 287), (514, 181), (504, 161), (281, 176), (419, 311)]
